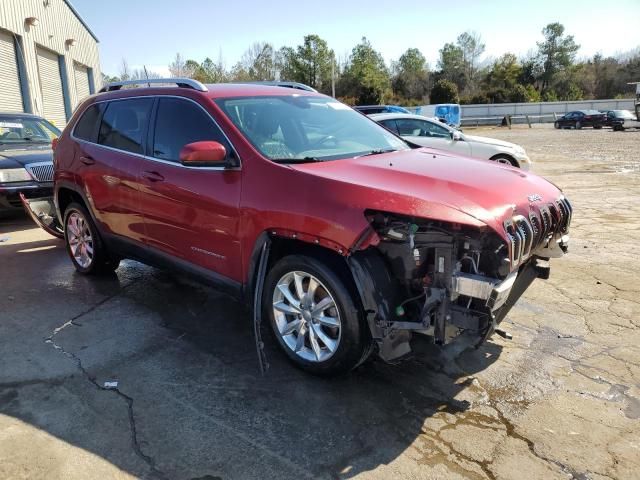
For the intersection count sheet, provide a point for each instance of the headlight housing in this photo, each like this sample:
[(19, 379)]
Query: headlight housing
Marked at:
[(13, 175)]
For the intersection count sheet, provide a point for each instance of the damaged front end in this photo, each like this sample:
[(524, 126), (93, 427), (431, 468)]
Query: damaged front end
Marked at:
[(42, 211), (444, 280)]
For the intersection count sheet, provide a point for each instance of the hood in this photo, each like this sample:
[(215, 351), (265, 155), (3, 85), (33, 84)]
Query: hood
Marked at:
[(419, 182), (489, 141), (12, 156)]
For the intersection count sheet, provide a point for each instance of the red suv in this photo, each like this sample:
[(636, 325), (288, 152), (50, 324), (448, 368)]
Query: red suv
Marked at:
[(348, 239)]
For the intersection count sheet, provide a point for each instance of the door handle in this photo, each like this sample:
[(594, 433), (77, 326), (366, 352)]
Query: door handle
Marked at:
[(153, 176), (87, 160)]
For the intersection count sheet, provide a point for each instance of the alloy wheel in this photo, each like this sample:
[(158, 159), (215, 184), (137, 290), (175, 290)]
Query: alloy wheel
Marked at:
[(79, 239), (306, 316), (503, 160)]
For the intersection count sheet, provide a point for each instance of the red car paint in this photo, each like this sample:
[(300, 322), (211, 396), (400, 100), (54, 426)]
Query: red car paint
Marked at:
[(212, 219)]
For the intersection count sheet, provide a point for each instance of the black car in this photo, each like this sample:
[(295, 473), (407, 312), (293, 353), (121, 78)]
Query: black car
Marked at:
[(581, 118), (26, 167)]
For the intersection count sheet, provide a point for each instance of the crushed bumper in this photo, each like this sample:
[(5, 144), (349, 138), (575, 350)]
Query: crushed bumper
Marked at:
[(43, 212)]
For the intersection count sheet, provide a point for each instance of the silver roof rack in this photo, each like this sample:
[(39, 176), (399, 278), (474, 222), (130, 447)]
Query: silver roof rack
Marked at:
[(180, 82)]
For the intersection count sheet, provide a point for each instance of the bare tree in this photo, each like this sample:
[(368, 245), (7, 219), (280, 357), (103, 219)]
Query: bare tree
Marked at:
[(125, 73), (472, 47), (179, 67)]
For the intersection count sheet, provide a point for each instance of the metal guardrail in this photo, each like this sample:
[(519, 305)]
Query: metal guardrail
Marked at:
[(510, 119)]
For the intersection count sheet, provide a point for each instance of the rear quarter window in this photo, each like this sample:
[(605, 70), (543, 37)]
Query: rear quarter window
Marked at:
[(87, 126)]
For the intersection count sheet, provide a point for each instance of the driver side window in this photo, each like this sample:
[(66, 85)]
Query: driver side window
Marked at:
[(410, 127), (435, 130), (180, 122)]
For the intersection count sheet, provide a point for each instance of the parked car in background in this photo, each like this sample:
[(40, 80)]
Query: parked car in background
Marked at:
[(370, 109), (26, 166), (581, 118), (432, 133), (372, 241), (621, 120)]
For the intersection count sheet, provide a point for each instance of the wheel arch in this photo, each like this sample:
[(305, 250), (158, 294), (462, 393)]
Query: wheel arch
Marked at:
[(65, 194), (282, 246)]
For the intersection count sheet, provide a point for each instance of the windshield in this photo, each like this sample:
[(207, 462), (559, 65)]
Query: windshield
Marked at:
[(14, 129), (290, 129)]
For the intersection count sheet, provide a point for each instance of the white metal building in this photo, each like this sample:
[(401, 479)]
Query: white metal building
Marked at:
[(48, 58)]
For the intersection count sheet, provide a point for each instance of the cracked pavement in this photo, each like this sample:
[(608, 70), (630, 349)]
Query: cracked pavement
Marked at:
[(560, 400)]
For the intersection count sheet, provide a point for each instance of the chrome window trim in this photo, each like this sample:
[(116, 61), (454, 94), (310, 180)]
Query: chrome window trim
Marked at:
[(39, 164), (167, 162)]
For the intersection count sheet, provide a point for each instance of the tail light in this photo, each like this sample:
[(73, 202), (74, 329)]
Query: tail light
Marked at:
[(54, 144)]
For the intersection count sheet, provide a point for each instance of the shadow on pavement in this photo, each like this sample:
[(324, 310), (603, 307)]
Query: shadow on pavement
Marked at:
[(187, 371)]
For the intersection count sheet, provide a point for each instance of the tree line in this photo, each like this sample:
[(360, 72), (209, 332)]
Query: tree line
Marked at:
[(549, 72)]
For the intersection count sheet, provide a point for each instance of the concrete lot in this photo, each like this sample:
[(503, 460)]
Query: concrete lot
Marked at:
[(560, 400)]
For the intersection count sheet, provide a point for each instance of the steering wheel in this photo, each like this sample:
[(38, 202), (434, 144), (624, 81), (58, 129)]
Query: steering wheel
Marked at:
[(322, 141)]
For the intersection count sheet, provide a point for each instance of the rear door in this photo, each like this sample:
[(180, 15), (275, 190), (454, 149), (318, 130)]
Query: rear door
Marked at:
[(110, 159), (191, 213)]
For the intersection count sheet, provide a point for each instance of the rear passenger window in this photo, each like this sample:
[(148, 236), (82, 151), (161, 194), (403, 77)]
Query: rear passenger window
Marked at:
[(87, 126), (123, 124), (180, 122)]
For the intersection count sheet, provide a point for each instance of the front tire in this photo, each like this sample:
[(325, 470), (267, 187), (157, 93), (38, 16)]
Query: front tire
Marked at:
[(505, 160), (578, 125), (83, 243), (556, 125), (314, 316)]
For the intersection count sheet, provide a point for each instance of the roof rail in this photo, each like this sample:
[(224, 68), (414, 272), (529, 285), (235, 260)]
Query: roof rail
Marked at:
[(284, 83), (181, 82)]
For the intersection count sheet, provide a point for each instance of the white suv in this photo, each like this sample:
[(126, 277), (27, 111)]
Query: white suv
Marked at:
[(432, 133)]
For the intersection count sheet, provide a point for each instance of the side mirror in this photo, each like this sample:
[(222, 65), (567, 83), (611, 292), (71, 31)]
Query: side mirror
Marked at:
[(456, 135), (203, 154)]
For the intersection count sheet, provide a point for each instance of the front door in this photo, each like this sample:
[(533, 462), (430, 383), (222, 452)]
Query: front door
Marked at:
[(191, 213), (430, 134)]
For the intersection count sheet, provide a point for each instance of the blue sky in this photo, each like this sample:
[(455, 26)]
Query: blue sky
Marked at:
[(150, 32)]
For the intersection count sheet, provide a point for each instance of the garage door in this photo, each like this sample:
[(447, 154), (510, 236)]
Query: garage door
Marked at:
[(10, 93), (81, 75), (51, 87)]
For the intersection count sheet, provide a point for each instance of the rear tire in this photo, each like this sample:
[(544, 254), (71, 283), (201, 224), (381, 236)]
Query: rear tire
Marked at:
[(597, 127), (578, 125), (83, 243), (329, 341)]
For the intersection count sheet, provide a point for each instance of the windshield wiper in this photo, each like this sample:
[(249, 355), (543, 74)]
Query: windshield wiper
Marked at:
[(377, 152), (296, 160)]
